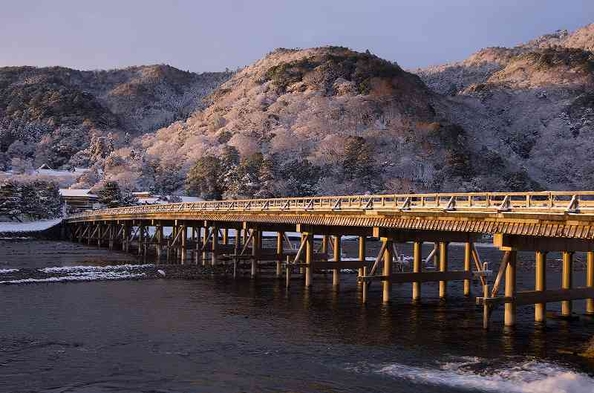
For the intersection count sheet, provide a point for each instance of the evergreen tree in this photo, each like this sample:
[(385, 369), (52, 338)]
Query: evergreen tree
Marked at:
[(204, 178), (358, 162), (10, 200), (111, 195)]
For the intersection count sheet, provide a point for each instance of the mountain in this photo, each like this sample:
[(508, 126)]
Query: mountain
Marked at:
[(315, 121), (53, 113), (532, 103)]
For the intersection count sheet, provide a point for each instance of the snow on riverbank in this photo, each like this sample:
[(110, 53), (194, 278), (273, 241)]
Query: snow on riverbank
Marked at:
[(33, 226)]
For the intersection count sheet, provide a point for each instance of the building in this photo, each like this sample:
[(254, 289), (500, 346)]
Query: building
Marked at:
[(78, 200)]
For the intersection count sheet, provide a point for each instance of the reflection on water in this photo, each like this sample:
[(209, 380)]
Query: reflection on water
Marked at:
[(221, 335)]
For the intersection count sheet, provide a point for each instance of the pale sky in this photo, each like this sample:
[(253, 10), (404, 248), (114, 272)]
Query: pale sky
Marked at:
[(212, 35)]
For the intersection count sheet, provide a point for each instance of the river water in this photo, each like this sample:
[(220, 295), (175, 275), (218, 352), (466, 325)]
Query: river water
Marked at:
[(75, 318)]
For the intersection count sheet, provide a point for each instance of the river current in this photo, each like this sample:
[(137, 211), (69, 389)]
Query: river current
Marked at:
[(76, 318)]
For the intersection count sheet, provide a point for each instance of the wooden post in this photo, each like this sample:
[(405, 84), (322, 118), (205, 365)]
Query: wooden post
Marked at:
[(467, 266), (205, 237), (590, 281), (417, 263), (364, 287), (540, 309), (226, 236), (325, 240), (111, 235), (215, 245), (509, 318), (184, 239), (309, 252), (336, 248), (443, 267), (486, 311), (140, 237), (362, 252), (387, 283), (256, 243), (567, 281), (279, 253), (159, 235), (99, 234)]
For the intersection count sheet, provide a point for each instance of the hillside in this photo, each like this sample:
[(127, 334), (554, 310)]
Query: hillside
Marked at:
[(532, 103), (54, 113), (315, 121)]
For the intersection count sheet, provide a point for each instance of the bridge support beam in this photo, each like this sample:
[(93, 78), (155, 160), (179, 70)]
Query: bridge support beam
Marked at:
[(280, 236), (214, 245), (183, 243), (509, 318), (590, 281), (443, 267), (336, 248), (540, 309), (309, 256), (256, 250), (387, 271), (467, 266), (567, 282), (362, 253), (417, 267)]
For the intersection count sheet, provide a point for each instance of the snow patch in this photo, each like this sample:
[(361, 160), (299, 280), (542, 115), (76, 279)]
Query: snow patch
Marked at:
[(6, 271), (33, 226)]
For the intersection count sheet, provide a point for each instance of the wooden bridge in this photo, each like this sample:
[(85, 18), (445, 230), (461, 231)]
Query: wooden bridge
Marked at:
[(539, 222)]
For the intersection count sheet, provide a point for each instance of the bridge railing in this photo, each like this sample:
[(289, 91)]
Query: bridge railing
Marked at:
[(574, 202)]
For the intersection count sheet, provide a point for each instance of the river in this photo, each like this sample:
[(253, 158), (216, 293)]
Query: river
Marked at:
[(76, 318)]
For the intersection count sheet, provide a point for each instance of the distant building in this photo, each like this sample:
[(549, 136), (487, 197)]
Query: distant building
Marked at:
[(78, 200)]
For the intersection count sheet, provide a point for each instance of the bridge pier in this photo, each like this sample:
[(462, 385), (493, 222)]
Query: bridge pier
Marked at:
[(467, 267), (540, 309), (510, 290), (567, 282), (362, 254), (417, 268), (337, 251), (280, 235), (590, 281), (443, 267), (387, 272), (309, 256), (256, 250)]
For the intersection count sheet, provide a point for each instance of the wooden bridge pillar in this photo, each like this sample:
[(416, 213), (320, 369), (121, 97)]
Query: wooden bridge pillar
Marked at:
[(362, 252), (388, 265), (540, 309), (325, 240), (443, 267), (279, 253), (110, 235), (159, 236), (509, 318), (214, 245), (256, 250), (140, 238), (590, 281), (99, 233), (567, 281), (336, 248), (417, 267), (226, 236), (183, 244), (309, 256), (467, 266)]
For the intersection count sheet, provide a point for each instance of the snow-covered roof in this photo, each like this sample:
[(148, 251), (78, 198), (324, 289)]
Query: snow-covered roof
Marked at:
[(81, 192), (191, 199)]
